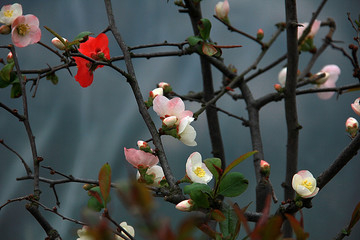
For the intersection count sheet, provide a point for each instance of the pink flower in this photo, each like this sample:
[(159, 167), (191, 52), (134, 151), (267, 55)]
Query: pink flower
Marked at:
[(356, 106), (222, 10), (174, 107), (139, 158), (304, 184), (196, 170), (25, 30), (9, 13), (314, 29), (332, 73), (352, 126)]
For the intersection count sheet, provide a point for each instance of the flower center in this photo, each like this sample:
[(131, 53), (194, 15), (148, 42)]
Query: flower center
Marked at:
[(307, 184), (8, 13), (199, 172), (23, 29)]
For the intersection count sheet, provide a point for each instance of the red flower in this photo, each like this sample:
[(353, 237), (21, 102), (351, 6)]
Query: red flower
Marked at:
[(96, 48)]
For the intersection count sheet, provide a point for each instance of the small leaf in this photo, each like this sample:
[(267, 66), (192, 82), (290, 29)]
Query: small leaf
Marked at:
[(209, 49), (82, 36), (193, 40), (15, 90), (94, 204), (214, 165), (355, 217), (3, 84), (237, 161), (228, 227), (197, 187), (204, 26), (232, 185), (53, 78), (199, 193), (6, 70), (105, 181)]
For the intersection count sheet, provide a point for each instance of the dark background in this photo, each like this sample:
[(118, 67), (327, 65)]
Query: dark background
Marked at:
[(77, 130)]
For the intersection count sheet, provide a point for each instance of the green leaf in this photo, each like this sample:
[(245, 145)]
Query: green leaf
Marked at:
[(214, 166), (237, 161), (15, 90), (6, 70), (232, 185), (228, 227), (209, 49), (94, 204), (204, 27), (193, 40), (3, 84), (199, 193), (96, 201), (82, 36), (53, 78), (217, 215), (105, 181)]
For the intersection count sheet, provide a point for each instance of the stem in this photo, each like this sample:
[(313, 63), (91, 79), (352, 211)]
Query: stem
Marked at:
[(290, 103)]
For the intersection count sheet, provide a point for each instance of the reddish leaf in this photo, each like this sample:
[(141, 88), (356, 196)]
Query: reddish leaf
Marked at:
[(295, 224), (96, 195), (105, 181), (209, 49), (208, 231), (218, 215), (237, 161), (355, 217), (240, 214)]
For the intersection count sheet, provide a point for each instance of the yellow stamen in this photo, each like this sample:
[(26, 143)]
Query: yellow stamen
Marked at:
[(23, 29), (307, 184), (199, 172), (8, 13)]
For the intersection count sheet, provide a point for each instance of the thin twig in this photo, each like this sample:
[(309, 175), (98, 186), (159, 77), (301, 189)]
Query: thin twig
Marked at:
[(27, 168)]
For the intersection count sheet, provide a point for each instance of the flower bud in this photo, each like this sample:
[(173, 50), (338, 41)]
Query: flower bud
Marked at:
[(141, 143), (278, 87), (10, 57), (260, 34), (352, 126), (185, 205), (222, 10), (304, 184), (58, 44), (264, 168), (5, 29), (165, 86), (156, 92), (356, 106), (321, 80), (170, 121)]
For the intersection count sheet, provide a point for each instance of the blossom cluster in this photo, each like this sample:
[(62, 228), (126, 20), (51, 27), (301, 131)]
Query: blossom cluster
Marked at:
[(24, 29)]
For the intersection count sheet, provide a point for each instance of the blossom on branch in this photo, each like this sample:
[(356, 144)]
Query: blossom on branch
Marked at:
[(139, 158), (352, 126), (314, 29), (356, 106), (155, 171), (196, 170), (58, 44), (25, 30), (185, 205), (332, 73), (95, 48), (186, 132), (129, 229), (9, 13), (222, 10), (304, 184)]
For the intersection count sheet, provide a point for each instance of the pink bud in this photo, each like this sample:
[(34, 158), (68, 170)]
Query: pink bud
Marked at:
[(9, 57), (185, 205), (58, 44), (352, 126), (356, 106), (260, 34), (264, 168), (277, 87), (222, 10), (141, 143), (264, 164), (163, 85)]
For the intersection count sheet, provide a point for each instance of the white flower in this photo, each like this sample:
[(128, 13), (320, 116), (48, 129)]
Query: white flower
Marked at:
[(174, 107), (196, 170), (222, 9), (186, 132), (9, 13), (58, 44), (314, 29), (83, 234), (356, 106), (304, 184), (156, 92), (332, 73), (128, 229), (158, 173), (185, 205), (170, 121)]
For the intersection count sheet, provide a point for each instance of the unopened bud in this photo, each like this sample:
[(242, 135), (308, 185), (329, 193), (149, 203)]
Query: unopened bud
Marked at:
[(141, 143), (165, 86), (156, 92), (222, 10), (278, 87), (264, 168), (5, 29), (58, 44), (352, 126), (260, 34), (356, 106), (10, 57), (185, 205), (323, 79), (170, 121)]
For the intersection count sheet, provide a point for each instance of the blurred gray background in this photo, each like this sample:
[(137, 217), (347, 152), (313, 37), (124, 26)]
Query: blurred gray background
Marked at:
[(78, 130)]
